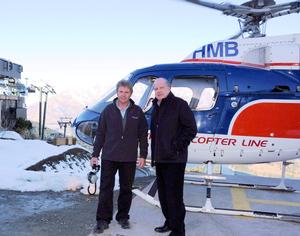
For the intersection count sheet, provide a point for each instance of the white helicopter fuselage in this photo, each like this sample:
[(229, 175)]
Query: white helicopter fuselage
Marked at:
[(244, 93), (270, 141)]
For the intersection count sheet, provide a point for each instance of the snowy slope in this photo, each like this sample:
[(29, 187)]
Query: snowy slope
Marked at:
[(17, 154)]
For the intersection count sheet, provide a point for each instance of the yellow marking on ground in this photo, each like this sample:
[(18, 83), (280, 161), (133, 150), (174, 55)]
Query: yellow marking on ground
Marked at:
[(275, 202), (239, 199)]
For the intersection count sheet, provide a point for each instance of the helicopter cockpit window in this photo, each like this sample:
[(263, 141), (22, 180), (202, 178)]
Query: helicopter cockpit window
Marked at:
[(199, 92), (142, 90)]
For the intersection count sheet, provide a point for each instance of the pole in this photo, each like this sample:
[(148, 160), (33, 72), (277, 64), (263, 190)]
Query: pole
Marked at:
[(44, 117), (65, 127), (40, 113)]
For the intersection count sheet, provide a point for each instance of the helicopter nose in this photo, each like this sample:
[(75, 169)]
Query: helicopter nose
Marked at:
[(86, 131), (85, 126)]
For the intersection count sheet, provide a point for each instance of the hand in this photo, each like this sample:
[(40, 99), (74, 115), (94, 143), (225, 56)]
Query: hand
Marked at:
[(94, 161), (141, 162)]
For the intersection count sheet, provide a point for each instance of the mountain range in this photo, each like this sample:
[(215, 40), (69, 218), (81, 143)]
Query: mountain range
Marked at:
[(69, 103)]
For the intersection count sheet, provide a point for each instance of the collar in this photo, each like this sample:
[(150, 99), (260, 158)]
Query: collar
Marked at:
[(164, 100)]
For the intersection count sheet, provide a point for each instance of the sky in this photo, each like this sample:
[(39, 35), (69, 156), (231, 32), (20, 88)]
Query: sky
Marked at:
[(72, 43)]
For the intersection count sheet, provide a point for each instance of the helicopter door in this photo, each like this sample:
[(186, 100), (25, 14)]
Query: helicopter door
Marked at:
[(201, 93)]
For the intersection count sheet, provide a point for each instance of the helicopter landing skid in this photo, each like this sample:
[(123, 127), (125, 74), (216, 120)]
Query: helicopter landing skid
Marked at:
[(241, 185), (208, 207), (280, 187)]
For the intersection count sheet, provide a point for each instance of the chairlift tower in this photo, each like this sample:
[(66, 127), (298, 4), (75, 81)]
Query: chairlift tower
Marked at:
[(43, 89), (64, 122)]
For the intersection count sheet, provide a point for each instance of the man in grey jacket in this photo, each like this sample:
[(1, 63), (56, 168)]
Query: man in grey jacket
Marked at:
[(122, 127)]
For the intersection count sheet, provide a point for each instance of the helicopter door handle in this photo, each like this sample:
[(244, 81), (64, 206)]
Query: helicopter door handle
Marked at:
[(211, 115)]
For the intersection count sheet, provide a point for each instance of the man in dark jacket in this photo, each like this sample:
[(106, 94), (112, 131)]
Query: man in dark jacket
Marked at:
[(173, 127), (122, 126)]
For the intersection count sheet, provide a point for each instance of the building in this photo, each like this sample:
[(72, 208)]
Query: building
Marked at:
[(12, 94)]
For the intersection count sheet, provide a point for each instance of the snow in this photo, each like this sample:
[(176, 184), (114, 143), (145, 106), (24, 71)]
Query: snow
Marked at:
[(17, 154), (10, 135)]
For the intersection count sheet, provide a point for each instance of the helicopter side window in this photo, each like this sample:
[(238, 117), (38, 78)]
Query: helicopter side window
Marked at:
[(183, 92), (199, 92), (206, 100)]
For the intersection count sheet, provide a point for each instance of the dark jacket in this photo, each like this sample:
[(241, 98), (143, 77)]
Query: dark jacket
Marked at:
[(118, 143), (173, 127)]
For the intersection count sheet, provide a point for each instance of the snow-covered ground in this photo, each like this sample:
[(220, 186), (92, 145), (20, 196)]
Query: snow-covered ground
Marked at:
[(17, 154)]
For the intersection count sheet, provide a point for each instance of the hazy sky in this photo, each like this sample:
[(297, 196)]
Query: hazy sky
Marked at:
[(80, 43)]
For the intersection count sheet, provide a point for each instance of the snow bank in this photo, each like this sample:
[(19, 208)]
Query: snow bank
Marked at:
[(18, 154), (10, 135)]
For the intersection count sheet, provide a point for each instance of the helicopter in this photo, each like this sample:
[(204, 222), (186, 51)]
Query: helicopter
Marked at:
[(239, 90), (244, 92)]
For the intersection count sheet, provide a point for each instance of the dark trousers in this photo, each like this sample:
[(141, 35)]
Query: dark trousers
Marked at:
[(126, 178), (170, 180)]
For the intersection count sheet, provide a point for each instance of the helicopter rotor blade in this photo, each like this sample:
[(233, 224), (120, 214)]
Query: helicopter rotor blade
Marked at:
[(253, 13)]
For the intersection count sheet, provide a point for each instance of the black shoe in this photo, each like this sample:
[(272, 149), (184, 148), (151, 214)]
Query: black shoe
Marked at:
[(162, 229), (124, 223), (100, 227), (176, 234)]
